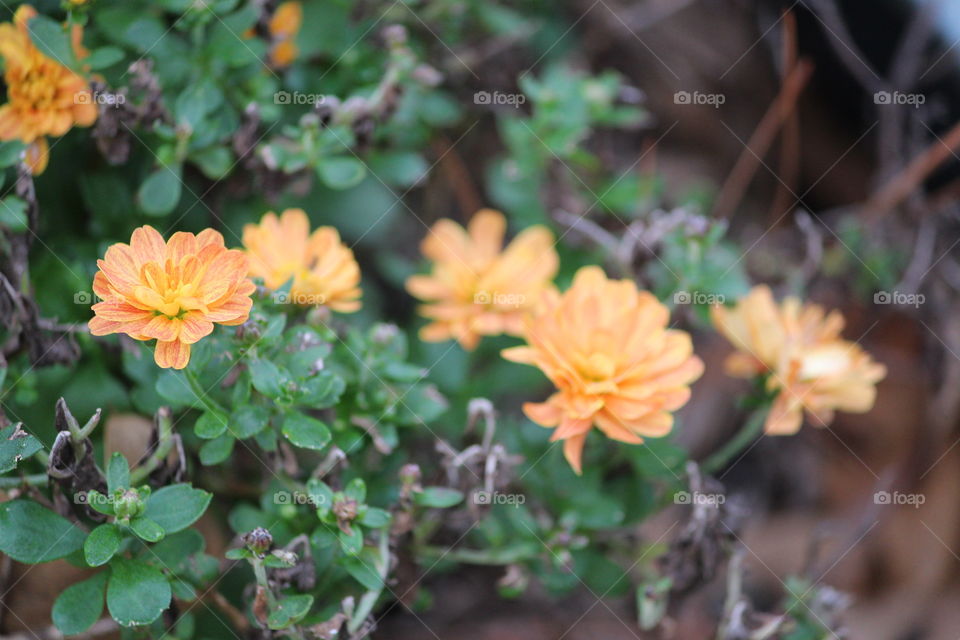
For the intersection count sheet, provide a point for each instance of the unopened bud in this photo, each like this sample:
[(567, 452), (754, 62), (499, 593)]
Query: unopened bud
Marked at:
[(259, 541)]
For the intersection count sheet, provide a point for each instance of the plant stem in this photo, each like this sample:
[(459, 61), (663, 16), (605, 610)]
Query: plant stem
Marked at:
[(164, 444), (736, 445), (36, 480), (369, 599), (198, 390)]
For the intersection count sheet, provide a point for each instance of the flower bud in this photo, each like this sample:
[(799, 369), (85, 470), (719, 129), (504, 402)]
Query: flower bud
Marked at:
[(259, 541)]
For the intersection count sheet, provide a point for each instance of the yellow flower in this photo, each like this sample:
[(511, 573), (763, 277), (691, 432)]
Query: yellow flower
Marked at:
[(172, 291), (44, 98), (478, 288), (606, 347), (322, 268), (283, 53), (811, 367)]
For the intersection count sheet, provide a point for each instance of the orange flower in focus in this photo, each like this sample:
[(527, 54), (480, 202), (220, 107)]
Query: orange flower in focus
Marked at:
[(616, 365), (43, 96), (811, 367), (284, 26), (322, 268), (478, 288), (172, 291)]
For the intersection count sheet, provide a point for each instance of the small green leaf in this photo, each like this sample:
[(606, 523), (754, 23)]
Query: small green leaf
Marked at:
[(321, 391), (267, 377), (249, 420), (80, 605), (356, 490), (289, 611), (146, 529), (99, 502), (375, 518), (175, 549), (52, 40), (13, 213), (341, 172), (160, 192), (438, 497), (101, 545), (103, 57), (320, 494), (240, 553), (177, 506), (217, 450), (305, 432), (210, 425), (137, 593), (118, 472), (15, 445), (32, 534), (10, 152), (363, 569), (352, 542)]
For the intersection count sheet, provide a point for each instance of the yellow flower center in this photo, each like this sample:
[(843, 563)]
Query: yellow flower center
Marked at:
[(170, 291)]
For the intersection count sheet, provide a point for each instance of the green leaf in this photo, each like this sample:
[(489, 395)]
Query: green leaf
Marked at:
[(174, 388), (214, 161), (341, 172), (13, 213), (80, 605), (177, 506), (160, 192), (289, 611), (99, 502), (15, 445), (103, 57), (267, 377), (52, 40), (10, 152), (137, 593), (375, 518), (352, 542), (438, 497), (32, 534), (217, 450), (196, 102), (175, 549), (147, 529), (118, 472), (321, 391), (320, 494), (399, 168), (356, 490), (101, 545), (363, 569), (306, 432), (210, 425), (249, 420)]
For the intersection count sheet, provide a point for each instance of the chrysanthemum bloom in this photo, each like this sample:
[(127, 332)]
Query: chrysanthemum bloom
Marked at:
[(172, 291), (284, 26), (616, 365), (476, 287), (323, 269), (44, 98), (809, 365)]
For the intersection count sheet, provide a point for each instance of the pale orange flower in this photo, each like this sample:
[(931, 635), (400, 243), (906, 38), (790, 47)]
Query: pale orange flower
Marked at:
[(172, 291), (322, 268), (606, 347), (44, 98), (284, 26), (809, 365), (477, 287)]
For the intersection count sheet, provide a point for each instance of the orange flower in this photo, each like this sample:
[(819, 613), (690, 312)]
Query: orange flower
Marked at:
[(44, 97), (322, 268), (171, 291), (284, 26), (616, 365), (811, 367), (477, 288)]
